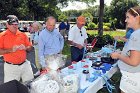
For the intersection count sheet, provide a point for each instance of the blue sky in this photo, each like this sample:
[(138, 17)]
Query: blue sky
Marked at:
[(80, 5)]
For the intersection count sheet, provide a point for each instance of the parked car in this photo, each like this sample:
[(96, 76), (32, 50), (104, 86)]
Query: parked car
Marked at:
[(2, 29)]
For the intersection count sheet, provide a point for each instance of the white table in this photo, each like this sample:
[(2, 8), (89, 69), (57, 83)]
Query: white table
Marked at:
[(96, 85)]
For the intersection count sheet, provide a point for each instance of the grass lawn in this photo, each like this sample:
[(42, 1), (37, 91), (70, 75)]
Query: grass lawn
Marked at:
[(111, 33), (117, 75)]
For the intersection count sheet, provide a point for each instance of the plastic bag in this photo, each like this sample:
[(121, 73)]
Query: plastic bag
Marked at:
[(70, 84), (44, 84), (55, 61)]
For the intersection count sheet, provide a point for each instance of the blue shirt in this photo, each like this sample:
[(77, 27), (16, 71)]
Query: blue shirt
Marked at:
[(128, 33), (36, 37), (62, 26), (67, 26), (49, 43)]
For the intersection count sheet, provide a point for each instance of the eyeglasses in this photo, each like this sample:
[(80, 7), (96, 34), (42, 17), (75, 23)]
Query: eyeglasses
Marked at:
[(135, 11), (81, 33)]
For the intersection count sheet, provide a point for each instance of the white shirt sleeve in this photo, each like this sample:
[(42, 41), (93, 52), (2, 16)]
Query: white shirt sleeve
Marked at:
[(85, 34), (71, 34), (134, 42)]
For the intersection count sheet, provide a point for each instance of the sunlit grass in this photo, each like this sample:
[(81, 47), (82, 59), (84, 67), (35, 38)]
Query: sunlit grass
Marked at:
[(66, 49), (111, 33)]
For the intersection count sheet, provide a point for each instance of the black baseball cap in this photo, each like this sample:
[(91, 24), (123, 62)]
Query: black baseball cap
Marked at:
[(12, 19)]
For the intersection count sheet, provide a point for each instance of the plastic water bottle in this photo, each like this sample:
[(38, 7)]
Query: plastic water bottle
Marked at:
[(98, 58), (83, 63), (70, 69), (74, 64), (87, 59), (86, 72)]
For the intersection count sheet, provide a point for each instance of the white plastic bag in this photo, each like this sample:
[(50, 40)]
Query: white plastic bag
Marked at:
[(55, 61), (44, 84), (70, 84)]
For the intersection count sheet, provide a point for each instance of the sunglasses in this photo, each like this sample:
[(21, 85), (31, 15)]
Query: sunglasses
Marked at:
[(81, 33), (14, 24)]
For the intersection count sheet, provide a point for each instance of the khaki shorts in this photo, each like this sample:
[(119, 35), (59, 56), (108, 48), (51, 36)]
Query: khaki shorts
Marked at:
[(23, 72), (130, 82)]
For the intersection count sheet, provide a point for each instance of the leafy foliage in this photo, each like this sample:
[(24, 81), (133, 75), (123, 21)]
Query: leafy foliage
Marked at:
[(31, 9), (106, 28), (107, 24), (88, 16), (121, 6), (103, 40), (91, 25), (62, 17)]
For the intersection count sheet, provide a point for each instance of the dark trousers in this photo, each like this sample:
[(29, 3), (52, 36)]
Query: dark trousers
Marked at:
[(76, 54), (13, 86)]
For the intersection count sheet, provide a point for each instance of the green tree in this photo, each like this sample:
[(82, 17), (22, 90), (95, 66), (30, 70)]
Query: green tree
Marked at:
[(88, 16), (9, 7), (30, 9), (62, 17), (118, 9)]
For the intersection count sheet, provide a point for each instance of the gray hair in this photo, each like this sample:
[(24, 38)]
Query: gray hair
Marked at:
[(38, 24), (50, 17)]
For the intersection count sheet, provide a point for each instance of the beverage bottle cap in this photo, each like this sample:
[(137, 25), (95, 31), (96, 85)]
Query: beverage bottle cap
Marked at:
[(82, 60), (74, 62), (85, 66), (70, 67)]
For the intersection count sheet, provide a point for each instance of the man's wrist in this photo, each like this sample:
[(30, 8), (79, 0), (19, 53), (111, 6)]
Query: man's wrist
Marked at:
[(8, 50), (74, 44)]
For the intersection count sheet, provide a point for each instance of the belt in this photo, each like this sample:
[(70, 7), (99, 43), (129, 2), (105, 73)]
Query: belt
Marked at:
[(15, 64)]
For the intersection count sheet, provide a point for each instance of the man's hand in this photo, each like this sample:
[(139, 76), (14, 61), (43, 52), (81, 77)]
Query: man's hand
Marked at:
[(22, 47), (45, 70), (117, 37), (15, 48), (79, 46), (115, 55)]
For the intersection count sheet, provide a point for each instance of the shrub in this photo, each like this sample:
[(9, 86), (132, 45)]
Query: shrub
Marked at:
[(91, 37), (104, 40), (107, 24), (106, 28), (85, 27), (91, 26)]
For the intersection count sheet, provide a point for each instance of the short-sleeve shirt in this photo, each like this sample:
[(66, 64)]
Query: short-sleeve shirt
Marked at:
[(77, 35), (133, 44), (8, 40)]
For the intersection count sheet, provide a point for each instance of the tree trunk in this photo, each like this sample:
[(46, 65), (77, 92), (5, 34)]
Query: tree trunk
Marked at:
[(101, 14)]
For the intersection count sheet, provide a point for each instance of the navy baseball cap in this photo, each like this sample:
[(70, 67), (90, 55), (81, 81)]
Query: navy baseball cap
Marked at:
[(12, 19)]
